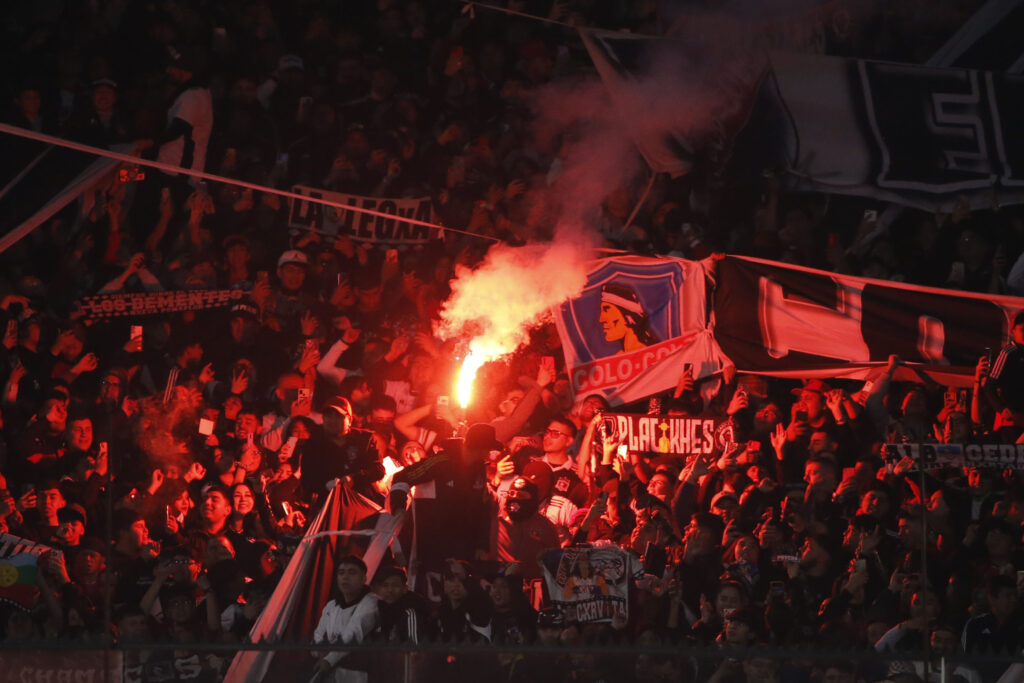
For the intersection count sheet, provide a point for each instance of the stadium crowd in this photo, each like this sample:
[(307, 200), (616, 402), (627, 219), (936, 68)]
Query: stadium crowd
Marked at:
[(172, 461)]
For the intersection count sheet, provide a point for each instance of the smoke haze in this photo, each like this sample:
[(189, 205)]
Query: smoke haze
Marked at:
[(692, 85)]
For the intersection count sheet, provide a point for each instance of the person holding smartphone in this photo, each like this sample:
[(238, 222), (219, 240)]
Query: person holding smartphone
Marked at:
[(1003, 383)]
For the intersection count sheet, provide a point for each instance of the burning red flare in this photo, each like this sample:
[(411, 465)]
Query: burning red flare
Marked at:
[(467, 373)]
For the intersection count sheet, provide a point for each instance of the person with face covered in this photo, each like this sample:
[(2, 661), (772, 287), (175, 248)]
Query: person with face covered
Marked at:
[(523, 533), (382, 423)]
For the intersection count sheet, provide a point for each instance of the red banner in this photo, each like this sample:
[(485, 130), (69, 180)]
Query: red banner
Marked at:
[(607, 373)]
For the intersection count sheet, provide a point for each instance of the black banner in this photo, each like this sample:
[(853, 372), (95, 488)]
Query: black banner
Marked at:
[(666, 435), (944, 130), (149, 303), (781, 319), (921, 136), (365, 227), (930, 456)]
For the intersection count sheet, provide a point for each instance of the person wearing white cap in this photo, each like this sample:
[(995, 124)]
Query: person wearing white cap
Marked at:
[(102, 123), (289, 301)]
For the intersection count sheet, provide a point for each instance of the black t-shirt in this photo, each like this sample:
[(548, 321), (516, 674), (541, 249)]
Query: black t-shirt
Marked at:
[(355, 456), (565, 482)]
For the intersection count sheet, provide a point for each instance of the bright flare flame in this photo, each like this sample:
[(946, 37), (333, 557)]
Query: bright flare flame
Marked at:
[(467, 373), (496, 305)]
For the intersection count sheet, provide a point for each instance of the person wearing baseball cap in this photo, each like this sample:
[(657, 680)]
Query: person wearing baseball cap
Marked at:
[(71, 520), (813, 385), (810, 411), (810, 417), (290, 300), (523, 532), (291, 271), (349, 455), (293, 256), (103, 124)]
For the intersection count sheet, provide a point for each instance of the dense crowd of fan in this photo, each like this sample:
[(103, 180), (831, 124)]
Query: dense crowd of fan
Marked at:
[(173, 468)]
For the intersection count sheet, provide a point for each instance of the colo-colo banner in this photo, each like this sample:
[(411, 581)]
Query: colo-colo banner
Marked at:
[(364, 227), (635, 325), (666, 435), (930, 456), (784, 320), (148, 303), (590, 583), (919, 136)]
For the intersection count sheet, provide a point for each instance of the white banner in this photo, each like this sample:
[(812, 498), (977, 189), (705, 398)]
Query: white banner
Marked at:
[(590, 584)]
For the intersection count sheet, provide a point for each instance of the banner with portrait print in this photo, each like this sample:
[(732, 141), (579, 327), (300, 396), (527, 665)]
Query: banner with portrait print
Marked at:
[(590, 583), (640, 320), (636, 324), (364, 227)]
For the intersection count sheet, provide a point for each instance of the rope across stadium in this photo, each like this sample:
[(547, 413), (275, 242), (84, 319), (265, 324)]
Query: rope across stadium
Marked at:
[(212, 177)]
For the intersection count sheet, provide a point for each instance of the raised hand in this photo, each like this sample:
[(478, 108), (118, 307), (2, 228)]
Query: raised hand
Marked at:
[(738, 402), (779, 439), (308, 323), (207, 374), (239, 381), (87, 363), (981, 370)]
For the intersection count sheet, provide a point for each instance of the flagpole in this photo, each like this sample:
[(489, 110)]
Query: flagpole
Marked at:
[(212, 177), (643, 198), (24, 172)]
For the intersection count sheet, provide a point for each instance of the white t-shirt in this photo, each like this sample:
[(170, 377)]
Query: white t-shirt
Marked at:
[(194, 106), (346, 625)]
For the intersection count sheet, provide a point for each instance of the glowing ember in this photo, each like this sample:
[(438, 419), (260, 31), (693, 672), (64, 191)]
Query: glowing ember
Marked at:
[(467, 373)]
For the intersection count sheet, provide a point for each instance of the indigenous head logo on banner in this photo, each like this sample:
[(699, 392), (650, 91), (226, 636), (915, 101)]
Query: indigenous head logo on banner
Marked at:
[(635, 325)]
